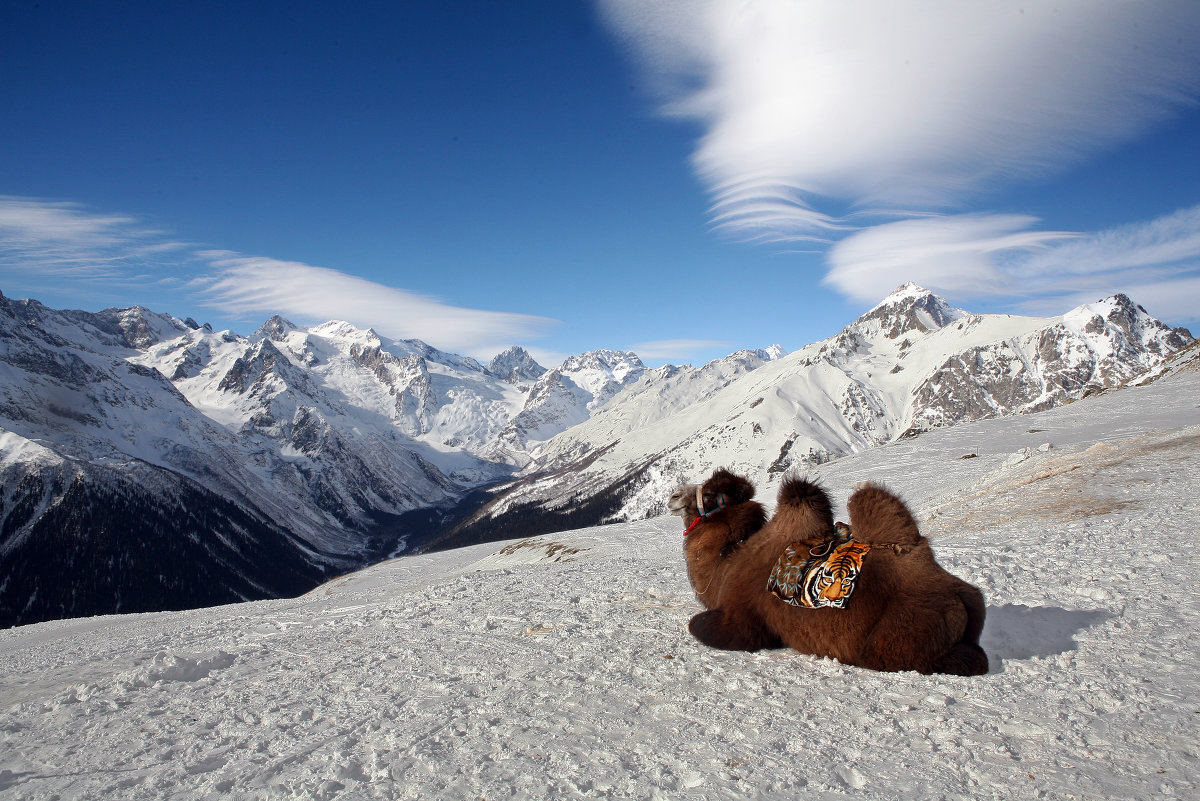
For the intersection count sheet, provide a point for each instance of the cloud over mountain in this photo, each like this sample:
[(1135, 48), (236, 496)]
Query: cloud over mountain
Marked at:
[(249, 284), (70, 241)]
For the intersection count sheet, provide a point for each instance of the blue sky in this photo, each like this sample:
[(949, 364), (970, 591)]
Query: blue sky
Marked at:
[(680, 179)]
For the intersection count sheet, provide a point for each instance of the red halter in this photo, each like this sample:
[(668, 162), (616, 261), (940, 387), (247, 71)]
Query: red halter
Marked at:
[(700, 508)]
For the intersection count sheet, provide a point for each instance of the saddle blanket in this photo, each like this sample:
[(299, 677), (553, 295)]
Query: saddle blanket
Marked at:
[(814, 580)]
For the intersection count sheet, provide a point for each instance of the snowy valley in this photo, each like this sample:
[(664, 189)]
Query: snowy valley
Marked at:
[(561, 666), (155, 464)]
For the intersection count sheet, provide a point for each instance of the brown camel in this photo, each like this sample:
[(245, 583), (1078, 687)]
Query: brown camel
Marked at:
[(719, 515), (879, 600)]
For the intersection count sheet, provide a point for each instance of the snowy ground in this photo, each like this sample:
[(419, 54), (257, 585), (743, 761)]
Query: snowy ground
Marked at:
[(561, 667)]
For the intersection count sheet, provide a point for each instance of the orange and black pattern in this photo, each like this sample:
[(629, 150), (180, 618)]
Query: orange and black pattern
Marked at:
[(818, 580)]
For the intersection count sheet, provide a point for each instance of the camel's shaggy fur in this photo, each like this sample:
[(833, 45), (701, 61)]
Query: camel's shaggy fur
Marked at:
[(907, 612)]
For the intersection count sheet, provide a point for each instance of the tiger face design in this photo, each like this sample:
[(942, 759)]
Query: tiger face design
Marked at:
[(815, 580)]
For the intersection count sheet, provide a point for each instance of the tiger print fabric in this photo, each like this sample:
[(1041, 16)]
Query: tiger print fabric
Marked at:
[(801, 578)]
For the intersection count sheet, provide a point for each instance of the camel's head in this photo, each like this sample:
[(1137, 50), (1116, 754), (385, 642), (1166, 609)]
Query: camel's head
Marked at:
[(683, 502), (722, 489)]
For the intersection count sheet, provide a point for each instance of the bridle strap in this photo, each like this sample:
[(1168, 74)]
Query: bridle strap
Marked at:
[(700, 509)]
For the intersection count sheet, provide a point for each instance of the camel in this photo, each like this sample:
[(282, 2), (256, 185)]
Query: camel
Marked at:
[(718, 516), (878, 600)]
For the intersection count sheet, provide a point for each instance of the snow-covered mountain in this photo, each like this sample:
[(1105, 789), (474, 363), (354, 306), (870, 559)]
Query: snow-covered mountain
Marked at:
[(911, 364), (561, 667), (117, 493), (260, 466), (149, 462), (565, 397), (154, 463)]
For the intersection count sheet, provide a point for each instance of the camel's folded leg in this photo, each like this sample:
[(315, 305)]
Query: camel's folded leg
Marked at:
[(963, 659), (913, 636), (718, 629)]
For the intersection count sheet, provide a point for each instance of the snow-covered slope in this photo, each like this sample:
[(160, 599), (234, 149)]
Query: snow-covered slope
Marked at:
[(911, 364), (309, 450), (561, 667)]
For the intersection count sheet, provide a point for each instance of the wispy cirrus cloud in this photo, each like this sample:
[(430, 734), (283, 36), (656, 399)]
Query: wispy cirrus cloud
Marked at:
[(1170, 242), (59, 245), (62, 238), (809, 107), (862, 127), (963, 255)]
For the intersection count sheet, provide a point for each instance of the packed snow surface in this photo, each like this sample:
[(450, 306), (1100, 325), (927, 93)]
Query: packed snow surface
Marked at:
[(561, 667)]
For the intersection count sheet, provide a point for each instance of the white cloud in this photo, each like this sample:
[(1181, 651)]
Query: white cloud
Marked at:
[(1155, 262), (246, 285), (964, 255), (51, 245), (59, 238), (813, 105), (1168, 240)]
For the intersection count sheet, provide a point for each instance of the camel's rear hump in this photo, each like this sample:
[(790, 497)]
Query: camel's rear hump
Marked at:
[(878, 517)]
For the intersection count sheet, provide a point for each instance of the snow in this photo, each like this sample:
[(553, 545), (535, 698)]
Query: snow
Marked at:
[(560, 667), (17, 450)]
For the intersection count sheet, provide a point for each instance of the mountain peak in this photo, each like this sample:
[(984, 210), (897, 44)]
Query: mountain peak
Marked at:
[(906, 293), (138, 326), (908, 308), (603, 358), (275, 328), (515, 364), (1136, 325)]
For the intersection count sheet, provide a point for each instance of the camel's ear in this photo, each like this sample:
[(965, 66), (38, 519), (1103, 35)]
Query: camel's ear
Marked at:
[(734, 488)]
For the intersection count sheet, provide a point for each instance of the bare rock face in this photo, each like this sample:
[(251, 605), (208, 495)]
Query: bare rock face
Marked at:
[(1095, 347)]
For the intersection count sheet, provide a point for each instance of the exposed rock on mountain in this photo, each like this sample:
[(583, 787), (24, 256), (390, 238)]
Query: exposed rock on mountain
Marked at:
[(565, 397), (515, 365)]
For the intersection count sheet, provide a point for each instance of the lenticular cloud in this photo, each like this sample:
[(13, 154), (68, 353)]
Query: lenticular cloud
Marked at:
[(808, 106), (965, 254), (248, 284)]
